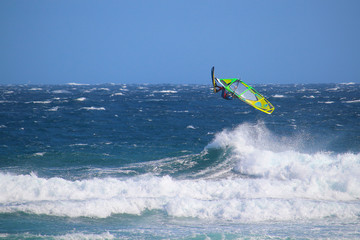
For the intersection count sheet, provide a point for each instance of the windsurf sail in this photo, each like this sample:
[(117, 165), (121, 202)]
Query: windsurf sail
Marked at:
[(245, 93)]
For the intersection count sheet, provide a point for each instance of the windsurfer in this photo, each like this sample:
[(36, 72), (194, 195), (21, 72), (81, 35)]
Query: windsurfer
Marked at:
[(224, 94)]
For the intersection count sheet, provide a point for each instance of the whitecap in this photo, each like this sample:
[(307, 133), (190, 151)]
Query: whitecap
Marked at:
[(93, 108), (78, 144), (352, 101), (165, 91), (81, 99), (184, 111), (117, 94), (41, 102), (78, 84), (142, 88), (349, 83), (154, 100), (247, 200), (333, 89), (309, 97), (61, 92), (274, 182), (278, 96), (39, 154), (54, 109), (83, 236)]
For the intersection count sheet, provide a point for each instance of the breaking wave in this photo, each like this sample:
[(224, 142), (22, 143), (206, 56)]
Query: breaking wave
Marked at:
[(255, 177)]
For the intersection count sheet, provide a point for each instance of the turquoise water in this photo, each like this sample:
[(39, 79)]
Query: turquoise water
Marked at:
[(178, 162)]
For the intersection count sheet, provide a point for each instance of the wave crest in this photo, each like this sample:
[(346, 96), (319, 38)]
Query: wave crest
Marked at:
[(271, 180)]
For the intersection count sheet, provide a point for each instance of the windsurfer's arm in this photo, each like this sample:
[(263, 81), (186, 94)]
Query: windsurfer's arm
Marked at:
[(218, 88), (226, 95)]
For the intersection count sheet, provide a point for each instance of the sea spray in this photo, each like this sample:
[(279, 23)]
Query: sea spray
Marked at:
[(236, 199)]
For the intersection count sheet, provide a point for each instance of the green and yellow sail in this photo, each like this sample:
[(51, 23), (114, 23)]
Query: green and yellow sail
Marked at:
[(245, 93)]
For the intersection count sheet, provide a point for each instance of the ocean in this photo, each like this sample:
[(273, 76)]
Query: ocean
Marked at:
[(116, 161)]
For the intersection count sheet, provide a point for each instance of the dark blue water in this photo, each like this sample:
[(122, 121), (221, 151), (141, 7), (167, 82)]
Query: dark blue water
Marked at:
[(177, 161)]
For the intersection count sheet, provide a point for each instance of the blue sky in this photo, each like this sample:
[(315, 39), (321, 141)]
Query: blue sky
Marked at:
[(178, 41)]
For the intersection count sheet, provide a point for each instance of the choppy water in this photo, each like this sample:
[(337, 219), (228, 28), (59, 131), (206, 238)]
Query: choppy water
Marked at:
[(178, 162)]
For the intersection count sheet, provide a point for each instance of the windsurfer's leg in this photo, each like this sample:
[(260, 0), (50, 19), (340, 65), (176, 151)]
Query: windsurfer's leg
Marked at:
[(223, 93)]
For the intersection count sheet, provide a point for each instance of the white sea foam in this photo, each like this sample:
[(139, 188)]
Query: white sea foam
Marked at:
[(352, 101), (165, 91), (61, 92), (80, 99), (78, 144), (39, 154), (278, 96), (257, 153), (184, 111), (274, 181), (310, 97), (54, 109), (41, 102), (69, 236), (241, 199), (289, 197), (117, 94), (78, 84), (90, 90), (85, 236), (348, 83), (332, 89), (94, 108), (104, 89)]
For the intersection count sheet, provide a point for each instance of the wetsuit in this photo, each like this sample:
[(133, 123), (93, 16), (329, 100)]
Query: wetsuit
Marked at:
[(224, 94)]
